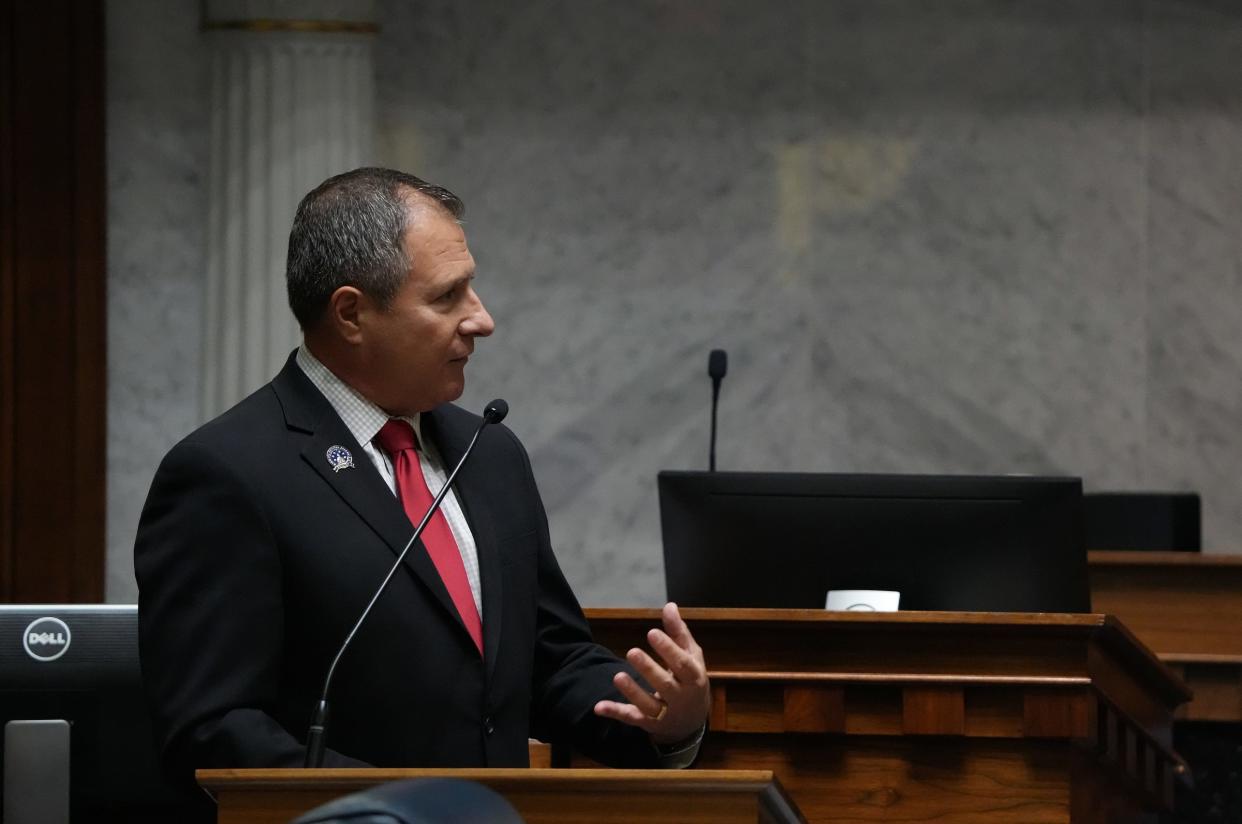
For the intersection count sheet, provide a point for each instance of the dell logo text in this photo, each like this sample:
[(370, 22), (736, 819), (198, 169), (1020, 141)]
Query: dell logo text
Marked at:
[(46, 639)]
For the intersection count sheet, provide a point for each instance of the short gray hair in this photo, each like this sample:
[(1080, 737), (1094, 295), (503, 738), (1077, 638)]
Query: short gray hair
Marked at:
[(347, 232)]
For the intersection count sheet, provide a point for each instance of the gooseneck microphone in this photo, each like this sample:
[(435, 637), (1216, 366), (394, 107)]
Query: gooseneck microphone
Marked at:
[(717, 366), (494, 413)]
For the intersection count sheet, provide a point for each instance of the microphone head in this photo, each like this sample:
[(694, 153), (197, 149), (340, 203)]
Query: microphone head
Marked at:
[(717, 364), (495, 411)]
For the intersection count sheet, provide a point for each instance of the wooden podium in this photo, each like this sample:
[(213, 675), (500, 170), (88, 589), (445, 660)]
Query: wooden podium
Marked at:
[(1187, 607), (541, 796), (962, 717)]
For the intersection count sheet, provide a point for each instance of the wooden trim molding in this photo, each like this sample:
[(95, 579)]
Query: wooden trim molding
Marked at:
[(8, 379), (52, 287), (998, 717)]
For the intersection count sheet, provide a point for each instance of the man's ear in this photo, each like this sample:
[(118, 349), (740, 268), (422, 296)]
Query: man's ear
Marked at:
[(345, 308)]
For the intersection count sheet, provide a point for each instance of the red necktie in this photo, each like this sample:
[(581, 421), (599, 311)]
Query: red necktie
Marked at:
[(397, 439)]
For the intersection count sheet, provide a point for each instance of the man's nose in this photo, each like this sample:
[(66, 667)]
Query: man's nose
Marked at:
[(479, 322)]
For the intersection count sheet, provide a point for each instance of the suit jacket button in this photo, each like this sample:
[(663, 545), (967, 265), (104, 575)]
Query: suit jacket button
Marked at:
[(488, 727)]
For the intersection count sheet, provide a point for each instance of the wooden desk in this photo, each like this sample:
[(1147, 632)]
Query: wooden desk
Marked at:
[(540, 796), (963, 717), (1187, 607)]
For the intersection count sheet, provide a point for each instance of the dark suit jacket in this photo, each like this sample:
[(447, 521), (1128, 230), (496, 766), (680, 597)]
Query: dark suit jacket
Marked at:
[(254, 558)]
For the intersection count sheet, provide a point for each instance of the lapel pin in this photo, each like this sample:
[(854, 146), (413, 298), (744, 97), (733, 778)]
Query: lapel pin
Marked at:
[(339, 458)]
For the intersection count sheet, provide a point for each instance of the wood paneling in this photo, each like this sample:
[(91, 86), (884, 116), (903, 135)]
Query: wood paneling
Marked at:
[(1183, 605), (1186, 607), (933, 710), (935, 716), (540, 796), (923, 780), (811, 709), (52, 281), (8, 372)]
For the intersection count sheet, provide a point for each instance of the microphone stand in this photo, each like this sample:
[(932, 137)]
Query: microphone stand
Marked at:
[(717, 368), (711, 458)]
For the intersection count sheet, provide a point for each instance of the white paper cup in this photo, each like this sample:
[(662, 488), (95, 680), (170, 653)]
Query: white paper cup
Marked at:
[(862, 600)]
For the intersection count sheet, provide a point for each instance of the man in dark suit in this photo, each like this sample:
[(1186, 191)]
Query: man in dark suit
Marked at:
[(267, 530)]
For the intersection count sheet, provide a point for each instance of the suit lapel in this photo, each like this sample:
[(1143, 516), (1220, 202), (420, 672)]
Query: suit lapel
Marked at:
[(361, 487), (452, 444)]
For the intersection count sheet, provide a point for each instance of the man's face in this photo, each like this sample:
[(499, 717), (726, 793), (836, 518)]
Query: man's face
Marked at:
[(415, 350)]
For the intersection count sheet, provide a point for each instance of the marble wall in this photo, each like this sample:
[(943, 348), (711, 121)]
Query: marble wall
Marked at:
[(157, 130), (986, 236)]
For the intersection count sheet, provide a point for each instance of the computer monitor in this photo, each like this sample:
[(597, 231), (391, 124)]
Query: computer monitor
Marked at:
[(953, 543), (1159, 521), (79, 663)]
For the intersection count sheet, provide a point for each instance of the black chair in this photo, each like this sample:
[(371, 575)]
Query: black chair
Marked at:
[(417, 801), (1142, 520)]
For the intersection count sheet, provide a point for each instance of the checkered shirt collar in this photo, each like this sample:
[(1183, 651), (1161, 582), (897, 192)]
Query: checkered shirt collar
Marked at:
[(362, 418)]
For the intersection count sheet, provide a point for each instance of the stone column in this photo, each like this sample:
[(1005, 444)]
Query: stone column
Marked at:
[(292, 103)]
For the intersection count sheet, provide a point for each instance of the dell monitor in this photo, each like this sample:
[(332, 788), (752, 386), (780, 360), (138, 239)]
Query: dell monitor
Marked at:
[(78, 664)]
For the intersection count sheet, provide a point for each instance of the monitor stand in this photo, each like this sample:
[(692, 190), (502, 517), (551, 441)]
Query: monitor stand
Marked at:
[(36, 772)]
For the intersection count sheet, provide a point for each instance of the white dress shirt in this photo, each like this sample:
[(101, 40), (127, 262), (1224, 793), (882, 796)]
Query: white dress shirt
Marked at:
[(364, 420)]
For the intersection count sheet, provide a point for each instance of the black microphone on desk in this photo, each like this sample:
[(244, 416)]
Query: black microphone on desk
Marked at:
[(717, 366), (494, 413)]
